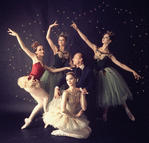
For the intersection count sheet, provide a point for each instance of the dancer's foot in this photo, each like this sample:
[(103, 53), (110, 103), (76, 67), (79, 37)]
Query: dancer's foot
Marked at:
[(129, 114), (27, 122), (103, 118), (58, 133)]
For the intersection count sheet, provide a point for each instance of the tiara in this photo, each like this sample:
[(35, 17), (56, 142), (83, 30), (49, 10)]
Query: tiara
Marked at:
[(110, 33), (63, 34), (35, 44)]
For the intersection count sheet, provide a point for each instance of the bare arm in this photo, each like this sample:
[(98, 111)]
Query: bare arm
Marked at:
[(57, 70), (83, 102), (123, 66), (25, 49), (52, 45), (91, 45)]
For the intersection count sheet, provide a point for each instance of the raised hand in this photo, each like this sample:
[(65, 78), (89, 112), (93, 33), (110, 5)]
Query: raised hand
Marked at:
[(11, 32), (136, 75), (54, 24), (74, 25)]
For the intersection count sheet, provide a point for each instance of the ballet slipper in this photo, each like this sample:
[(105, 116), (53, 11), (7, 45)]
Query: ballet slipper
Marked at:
[(130, 116), (58, 133), (27, 122), (45, 126)]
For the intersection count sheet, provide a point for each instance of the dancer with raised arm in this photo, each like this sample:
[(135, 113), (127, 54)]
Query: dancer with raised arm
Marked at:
[(31, 83), (111, 89), (49, 79), (66, 112)]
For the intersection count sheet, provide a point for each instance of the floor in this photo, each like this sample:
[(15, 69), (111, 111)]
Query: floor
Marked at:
[(118, 129)]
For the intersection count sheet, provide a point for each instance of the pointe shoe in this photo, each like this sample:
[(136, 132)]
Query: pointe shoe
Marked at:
[(58, 133), (27, 122), (45, 126), (130, 116)]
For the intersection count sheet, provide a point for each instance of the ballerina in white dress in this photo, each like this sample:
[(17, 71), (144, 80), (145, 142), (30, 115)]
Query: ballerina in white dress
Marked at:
[(66, 112)]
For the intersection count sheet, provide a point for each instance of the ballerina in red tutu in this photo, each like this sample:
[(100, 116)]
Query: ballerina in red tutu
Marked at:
[(31, 83)]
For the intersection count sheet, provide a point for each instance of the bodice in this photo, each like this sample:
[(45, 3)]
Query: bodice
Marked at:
[(100, 59), (60, 59), (74, 99), (37, 71), (73, 102)]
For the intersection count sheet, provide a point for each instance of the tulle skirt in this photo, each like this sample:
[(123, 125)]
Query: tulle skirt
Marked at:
[(111, 88), (49, 81), (63, 121), (28, 82)]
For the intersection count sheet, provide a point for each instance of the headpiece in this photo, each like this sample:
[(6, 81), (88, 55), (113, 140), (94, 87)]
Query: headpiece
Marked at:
[(71, 73), (35, 45), (62, 34), (110, 33)]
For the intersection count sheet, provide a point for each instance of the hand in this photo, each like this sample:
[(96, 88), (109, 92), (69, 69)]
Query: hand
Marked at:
[(13, 33), (78, 89), (84, 91), (79, 113), (74, 25), (53, 25), (136, 75), (57, 93), (69, 68)]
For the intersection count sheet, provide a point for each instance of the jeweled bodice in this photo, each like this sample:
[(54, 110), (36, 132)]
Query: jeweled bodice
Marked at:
[(60, 59), (74, 99), (100, 59)]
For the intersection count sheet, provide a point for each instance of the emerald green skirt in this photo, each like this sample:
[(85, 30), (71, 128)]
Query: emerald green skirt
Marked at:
[(49, 81), (111, 88)]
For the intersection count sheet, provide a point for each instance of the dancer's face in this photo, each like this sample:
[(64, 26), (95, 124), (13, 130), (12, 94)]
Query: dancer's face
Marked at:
[(106, 39), (40, 50), (71, 80), (77, 59), (61, 41)]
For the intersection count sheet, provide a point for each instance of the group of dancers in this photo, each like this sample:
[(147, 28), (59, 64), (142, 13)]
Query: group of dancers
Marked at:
[(65, 110)]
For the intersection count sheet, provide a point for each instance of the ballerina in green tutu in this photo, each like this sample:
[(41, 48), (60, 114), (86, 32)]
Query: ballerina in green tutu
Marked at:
[(50, 79), (111, 88)]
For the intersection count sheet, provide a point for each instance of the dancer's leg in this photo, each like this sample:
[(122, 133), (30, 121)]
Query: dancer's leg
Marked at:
[(129, 114), (42, 99)]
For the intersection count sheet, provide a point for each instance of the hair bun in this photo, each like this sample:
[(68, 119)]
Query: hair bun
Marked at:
[(35, 45)]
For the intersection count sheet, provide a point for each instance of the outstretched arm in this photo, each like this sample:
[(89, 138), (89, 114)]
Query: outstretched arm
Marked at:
[(123, 66), (52, 45), (56, 70), (91, 45), (26, 50)]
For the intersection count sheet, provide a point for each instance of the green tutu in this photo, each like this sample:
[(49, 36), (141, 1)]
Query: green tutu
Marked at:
[(49, 81), (111, 88)]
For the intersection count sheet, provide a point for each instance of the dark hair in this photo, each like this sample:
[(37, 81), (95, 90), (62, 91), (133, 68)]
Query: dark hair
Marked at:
[(111, 34), (63, 35), (71, 73), (35, 45)]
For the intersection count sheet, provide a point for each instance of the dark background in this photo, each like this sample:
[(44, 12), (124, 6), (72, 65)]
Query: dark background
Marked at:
[(31, 18)]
